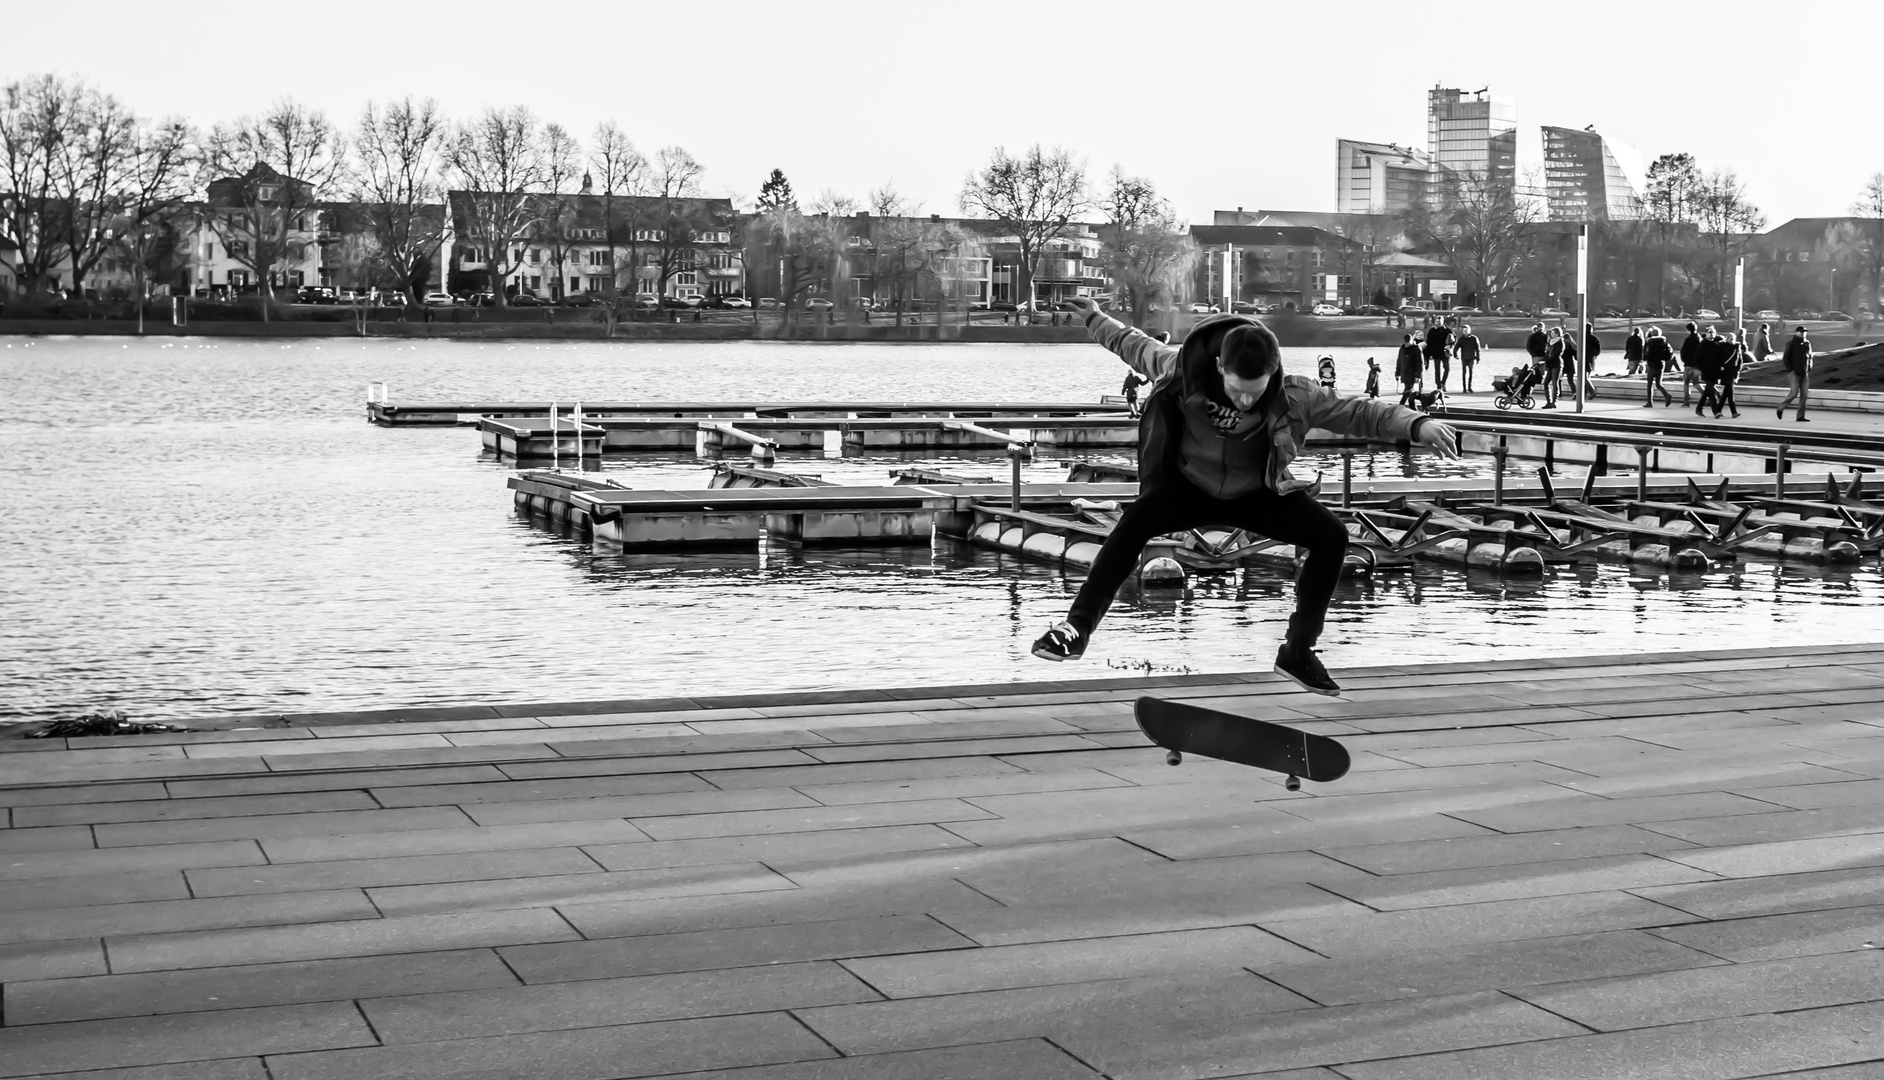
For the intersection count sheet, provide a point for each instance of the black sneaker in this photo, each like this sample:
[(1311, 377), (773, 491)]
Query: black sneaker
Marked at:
[(1062, 642), (1303, 668)]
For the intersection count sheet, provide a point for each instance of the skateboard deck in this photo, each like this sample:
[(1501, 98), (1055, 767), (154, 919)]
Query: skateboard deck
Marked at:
[(1192, 729)]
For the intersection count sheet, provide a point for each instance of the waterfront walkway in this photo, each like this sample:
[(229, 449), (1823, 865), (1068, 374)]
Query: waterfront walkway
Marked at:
[(1662, 866)]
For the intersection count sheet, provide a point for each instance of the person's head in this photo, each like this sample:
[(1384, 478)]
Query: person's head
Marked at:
[(1372, 364), (1406, 339), (1555, 333), (1740, 335), (1249, 360), (1764, 328), (1635, 331), (1654, 331), (1537, 327), (1465, 328), (1691, 328), (1798, 331)]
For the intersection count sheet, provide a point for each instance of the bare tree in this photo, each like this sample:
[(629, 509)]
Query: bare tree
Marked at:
[(1036, 196), (1479, 224), (886, 201), (271, 171), (157, 177), (1145, 247), (36, 116), (1870, 207), (833, 204), (563, 163), (1674, 183), (499, 162), (677, 214), (395, 187), (621, 174), (1729, 219)]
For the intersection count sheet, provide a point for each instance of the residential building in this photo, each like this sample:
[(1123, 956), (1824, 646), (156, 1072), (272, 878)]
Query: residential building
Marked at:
[(1277, 265), (351, 248), (1815, 263), (259, 220), (1378, 178), (571, 248), (931, 258), (1064, 268), (1589, 177)]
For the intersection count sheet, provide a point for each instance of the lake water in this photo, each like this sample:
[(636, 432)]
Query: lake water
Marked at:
[(202, 528)]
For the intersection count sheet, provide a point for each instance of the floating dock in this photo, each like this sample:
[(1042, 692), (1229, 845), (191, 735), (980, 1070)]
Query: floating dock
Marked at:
[(529, 437), (436, 413)]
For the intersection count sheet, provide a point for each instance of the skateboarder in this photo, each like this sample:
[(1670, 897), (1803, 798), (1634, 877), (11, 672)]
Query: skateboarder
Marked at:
[(1221, 425)]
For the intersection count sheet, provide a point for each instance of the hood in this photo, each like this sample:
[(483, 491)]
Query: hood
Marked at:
[(1197, 357)]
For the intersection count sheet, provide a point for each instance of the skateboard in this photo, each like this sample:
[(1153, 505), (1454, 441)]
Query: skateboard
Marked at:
[(1191, 729)]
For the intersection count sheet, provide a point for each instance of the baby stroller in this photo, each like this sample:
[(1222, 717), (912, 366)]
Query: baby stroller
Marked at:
[(1517, 389)]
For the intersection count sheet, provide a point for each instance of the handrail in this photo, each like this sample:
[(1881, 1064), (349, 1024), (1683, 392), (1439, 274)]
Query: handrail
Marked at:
[(1662, 441)]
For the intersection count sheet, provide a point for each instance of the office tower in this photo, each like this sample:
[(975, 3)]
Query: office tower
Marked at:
[(1468, 131), (1588, 177), (1378, 178)]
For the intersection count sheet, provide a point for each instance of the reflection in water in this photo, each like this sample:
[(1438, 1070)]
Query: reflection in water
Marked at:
[(213, 528)]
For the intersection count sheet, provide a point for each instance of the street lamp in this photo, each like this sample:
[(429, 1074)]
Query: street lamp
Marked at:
[(1831, 291)]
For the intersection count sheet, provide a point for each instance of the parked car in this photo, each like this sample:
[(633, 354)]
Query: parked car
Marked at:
[(1806, 313), (580, 299), (1245, 307), (680, 303), (1464, 311), (524, 299), (1553, 313), (735, 302), (1767, 315), (1201, 309), (439, 299), (1645, 313), (647, 300), (316, 294), (1512, 311), (769, 303), (818, 303), (1839, 316), (1325, 309), (481, 299)]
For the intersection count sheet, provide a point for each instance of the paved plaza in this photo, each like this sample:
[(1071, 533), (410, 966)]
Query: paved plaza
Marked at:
[(1662, 866)]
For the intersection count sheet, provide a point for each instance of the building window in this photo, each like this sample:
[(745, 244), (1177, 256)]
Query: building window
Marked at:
[(536, 282), (266, 193), (598, 258), (536, 255)]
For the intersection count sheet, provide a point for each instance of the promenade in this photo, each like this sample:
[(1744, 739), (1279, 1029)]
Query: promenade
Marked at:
[(1652, 866)]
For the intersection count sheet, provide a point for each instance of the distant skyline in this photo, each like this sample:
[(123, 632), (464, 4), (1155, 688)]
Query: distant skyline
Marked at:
[(1221, 104)]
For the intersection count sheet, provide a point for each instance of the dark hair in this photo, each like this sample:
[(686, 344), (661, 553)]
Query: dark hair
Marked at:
[(1250, 351), (1691, 328)]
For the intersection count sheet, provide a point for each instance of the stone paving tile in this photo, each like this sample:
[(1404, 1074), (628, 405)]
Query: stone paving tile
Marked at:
[(1817, 796), (385, 744), (878, 1027), (105, 1044), (651, 807), (263, 827), (54, 769), (686, 741), (1739, 897), (21, 840), (1773, 826), (744, 947), (500, 790), (1516, 713), (1788, 934), (1047, 868), (249, 1068), (561, 736), (811, 772), (1651, 1000), (1003, 967), (585, 888), (494, 723), (446, 841), (1348, 936), (1750, 779), (437, 755), (1033, 1059), (52, 864), (606, 1053), (1863, 1071), (1503, 746), (51, 960), (327, 941), (422, 1016), (1105, 812), (1184, 843), (27, 894), (1145, 911), (772, 847), (1476, 885), (1491, 849), (1739, 1047), (1494, 966), (655, 716), (656, 763), (211, 989), (84, 793), (351, 780), (1034, 744), (404, 870), (166, 916), (731, 911), (1213, 1046), (167, 809), (956, 787), (1788, 856), (811, 819), (1565, 813)]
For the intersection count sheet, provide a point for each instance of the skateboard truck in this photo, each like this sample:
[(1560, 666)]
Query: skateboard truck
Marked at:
[(1180, 728), (1175, 757)]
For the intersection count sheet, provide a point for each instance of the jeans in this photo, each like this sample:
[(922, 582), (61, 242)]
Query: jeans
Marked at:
[(1442, 367), (1800, 388), (1296, 518), (1655, 383), (1412, 387)]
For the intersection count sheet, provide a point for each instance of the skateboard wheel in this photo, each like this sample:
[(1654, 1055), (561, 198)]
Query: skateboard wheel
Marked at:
[(1172, 757), (1293, 783)]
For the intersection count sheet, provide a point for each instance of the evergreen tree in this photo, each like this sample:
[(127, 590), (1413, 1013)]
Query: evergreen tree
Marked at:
[(776, 193)]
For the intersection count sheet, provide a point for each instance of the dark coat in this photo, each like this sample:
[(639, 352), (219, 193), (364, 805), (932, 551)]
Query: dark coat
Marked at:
[(1798, 358), (1536, 344), (1469, 348), (1632, 348), (1689, 346), (1409, 365), (1657, 352)]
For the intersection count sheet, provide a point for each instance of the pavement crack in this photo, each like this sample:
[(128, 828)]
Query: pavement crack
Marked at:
[(1551, 1011)]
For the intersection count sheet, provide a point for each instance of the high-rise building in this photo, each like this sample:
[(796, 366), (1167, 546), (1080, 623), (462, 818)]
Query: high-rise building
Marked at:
[(1378, 178), (1463, 130), (1589, 177)]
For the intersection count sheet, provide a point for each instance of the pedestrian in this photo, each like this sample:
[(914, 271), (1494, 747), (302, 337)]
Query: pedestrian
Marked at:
[(1439, 351), (1407, 367), (1537, 344), (1735, 359), (1632, 352), (1657, 354), (1469, 348), (1325, 371), (1222, 423), (1373, 377), (1763, 344), (1798, 361), (1689, 373), (1553, 365), (1710, 356), (1133, 380), (1592, 348)]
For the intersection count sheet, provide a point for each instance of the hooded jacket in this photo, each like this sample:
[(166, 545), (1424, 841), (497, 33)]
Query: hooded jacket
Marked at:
[(1178, 441), (1657, 352), (1408, 364), (1632, 347)]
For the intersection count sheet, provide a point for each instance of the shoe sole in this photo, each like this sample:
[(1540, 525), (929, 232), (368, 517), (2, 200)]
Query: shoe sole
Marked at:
[(1277, 668), (1055, 657)]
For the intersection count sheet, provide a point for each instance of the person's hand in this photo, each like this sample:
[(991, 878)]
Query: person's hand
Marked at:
[(1440, 438), (1085, 306)]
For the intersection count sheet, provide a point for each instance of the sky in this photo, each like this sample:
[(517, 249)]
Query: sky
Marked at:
[(1219, 104)]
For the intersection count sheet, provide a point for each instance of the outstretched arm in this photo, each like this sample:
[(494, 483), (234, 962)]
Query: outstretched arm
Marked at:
[(1381, 421), (1138, 349)]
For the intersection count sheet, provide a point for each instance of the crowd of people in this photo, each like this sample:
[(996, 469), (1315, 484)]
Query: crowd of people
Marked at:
[(1713, 361)]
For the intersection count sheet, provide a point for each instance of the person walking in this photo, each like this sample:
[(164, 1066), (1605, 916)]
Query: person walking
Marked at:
[(1537, 344), (1439, 351), (1734, 357), (1798, 361), (1709, 356), (1763, 344), (1373, 377), (1407, 368), (1222, 423), (1553, 365), (1592, 348), (1133, 380), (1632, 352), (1657, 354), (1689, 373), (1469, 348)]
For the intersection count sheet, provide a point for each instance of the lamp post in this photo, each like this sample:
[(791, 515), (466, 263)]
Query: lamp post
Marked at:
[(1831, 291)]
